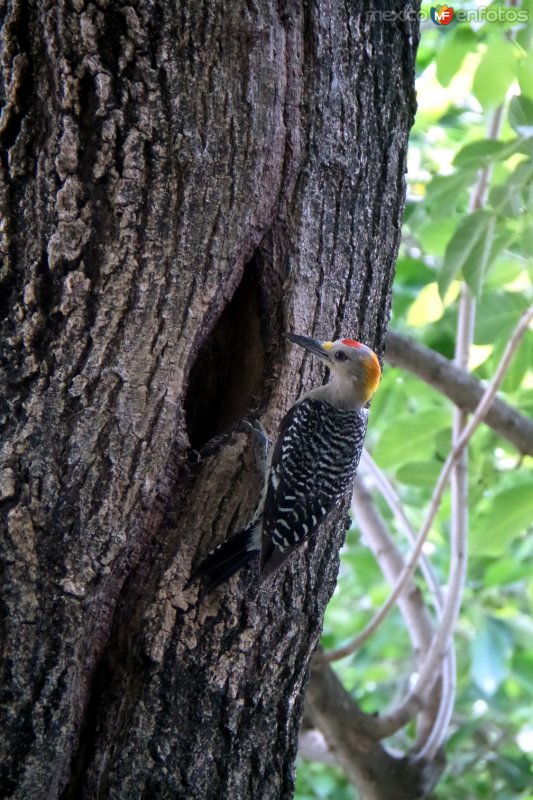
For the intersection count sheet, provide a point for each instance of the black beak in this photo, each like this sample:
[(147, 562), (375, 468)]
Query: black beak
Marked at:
[(314, 346)]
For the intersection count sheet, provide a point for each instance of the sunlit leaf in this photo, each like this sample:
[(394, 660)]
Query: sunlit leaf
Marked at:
[(428, 307), (478, 355), (495, 73), (454, 47)]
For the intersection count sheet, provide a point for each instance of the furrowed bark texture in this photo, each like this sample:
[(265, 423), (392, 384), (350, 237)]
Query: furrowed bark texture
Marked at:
[(180, 184)]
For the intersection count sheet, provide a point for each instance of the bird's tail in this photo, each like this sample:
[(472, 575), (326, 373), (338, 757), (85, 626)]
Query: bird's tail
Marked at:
[(225, 560)]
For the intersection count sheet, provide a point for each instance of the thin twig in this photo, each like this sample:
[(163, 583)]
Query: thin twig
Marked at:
[(447, 688), (394, 503), (410, 603), (375, 533)]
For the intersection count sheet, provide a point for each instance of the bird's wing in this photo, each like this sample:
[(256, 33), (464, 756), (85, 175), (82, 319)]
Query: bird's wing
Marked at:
[(309, 473)]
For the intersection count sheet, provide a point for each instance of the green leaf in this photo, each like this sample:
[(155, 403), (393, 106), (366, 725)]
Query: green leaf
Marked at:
[(410, 436), (419, 473), (505, 571), (511, 198), (525, 76), (523, 668), (481, 255), (497, 315), (443, 192), (505, 270), (506, 199), (521, 115), (485, 151), (507, 516), (455, 46), (503, 238), (468, 251), (490, 655), (364, 567), (527, 242), (443, 442), (520, 365), (435, 234), (495, 73), (412, 274), (523, 174)]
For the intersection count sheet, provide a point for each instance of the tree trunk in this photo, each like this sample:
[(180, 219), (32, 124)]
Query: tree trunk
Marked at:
[(180, 184)]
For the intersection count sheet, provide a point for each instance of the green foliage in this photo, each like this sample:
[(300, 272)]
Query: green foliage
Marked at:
[(469, 251), (464, 74), (495, 73)]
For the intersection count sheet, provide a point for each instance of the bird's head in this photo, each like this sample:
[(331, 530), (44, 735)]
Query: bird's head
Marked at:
[(350, 362)]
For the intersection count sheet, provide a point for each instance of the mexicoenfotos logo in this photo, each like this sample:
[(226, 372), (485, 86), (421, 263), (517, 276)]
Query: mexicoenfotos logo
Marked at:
[(441, 15)]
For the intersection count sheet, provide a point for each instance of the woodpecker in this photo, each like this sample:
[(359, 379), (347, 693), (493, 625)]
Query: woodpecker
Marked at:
[(313, 463)]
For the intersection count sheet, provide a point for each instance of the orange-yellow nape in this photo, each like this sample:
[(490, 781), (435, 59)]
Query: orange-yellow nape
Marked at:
[(373, 374), (372, 367)]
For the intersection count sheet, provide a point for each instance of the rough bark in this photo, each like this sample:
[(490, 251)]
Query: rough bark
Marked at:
[(180, 183)]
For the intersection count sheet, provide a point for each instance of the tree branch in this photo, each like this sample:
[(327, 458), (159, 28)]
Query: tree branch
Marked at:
[(460, 387), (350, 734)]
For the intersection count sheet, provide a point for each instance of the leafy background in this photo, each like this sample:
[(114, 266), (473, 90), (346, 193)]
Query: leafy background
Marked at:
[(467, 74)]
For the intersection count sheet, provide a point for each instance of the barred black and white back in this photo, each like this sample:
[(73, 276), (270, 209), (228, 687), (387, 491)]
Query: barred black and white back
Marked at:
[(313, 465)]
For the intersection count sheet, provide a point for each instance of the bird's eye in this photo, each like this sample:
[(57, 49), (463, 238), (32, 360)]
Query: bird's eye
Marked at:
[(340, 356)]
